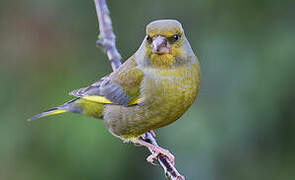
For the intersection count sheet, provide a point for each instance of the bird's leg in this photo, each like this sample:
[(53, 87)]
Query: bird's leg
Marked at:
[(153, 133), (156, 151)]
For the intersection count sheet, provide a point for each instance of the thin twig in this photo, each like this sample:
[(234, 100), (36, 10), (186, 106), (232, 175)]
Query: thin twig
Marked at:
[(106, 41)]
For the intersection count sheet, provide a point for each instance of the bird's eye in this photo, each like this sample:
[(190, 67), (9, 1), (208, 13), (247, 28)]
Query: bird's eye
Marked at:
[(174, 38), (149, 39)]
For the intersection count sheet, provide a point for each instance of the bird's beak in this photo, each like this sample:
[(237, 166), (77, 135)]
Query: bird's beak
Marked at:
[(160, 45)]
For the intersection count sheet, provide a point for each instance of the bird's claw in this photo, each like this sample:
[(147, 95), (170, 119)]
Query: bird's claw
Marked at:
[(151, 158), (158, 152)]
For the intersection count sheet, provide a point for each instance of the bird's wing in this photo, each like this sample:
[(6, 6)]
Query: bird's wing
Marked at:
[(120, 87)]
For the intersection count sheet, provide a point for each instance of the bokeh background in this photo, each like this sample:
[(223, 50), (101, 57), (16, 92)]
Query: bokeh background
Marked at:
[(241, 126)]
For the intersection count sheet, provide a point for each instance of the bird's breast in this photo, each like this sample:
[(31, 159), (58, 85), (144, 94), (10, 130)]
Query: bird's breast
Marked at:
[(168, 93)]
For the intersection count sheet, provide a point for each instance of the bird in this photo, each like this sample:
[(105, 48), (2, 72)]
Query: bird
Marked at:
[(151, 89)]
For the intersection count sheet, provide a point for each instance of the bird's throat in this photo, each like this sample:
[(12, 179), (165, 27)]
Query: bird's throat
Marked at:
[(162, 61)]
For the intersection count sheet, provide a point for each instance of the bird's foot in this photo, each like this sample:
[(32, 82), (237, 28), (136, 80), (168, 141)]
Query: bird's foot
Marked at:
[(156, 151)]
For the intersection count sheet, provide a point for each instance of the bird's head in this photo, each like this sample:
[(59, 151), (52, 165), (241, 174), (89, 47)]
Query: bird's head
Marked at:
[(165, 43)]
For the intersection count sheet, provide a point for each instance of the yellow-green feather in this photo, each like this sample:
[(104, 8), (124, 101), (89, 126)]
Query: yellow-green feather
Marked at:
[(167, 94), (90, 108), (129, 77)]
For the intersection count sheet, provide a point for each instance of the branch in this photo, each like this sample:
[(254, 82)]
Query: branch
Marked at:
[(107, 39), (107, 42)]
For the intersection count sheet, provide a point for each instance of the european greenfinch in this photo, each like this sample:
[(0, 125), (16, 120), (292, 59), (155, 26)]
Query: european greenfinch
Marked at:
[(152, 89)]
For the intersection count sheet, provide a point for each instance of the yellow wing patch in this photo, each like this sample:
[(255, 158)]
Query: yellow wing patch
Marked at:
[(99, 99), (103, 100)]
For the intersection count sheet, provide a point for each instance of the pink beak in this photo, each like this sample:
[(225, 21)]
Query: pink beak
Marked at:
[(160, 45)]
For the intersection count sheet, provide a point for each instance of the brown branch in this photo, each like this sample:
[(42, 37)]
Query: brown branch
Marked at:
[(107, 41)]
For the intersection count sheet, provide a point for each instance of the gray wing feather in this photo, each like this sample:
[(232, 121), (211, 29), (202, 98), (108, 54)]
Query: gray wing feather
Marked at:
[(104, 87)]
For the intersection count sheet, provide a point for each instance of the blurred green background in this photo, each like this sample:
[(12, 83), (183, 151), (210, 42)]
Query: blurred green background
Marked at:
[(241, 126)]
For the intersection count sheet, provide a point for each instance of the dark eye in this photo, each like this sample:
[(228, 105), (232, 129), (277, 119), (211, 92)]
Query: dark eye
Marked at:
[(149, 39), (174, 38)]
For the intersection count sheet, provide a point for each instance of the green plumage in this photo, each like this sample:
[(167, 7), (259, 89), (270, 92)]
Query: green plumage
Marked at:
[(161, 79)]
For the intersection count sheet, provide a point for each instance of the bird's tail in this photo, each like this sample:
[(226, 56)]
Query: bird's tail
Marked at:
[(78, 105), (68, 106), (49, 112)]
